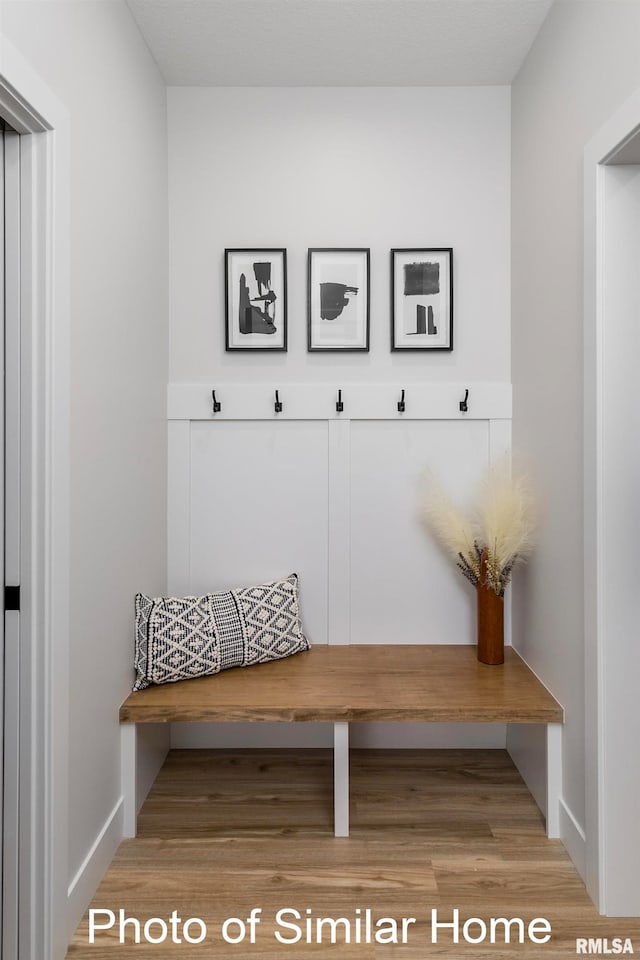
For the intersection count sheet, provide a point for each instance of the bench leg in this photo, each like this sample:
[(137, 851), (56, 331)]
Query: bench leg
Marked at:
[(128, 776), (554, 778), (341, 779)]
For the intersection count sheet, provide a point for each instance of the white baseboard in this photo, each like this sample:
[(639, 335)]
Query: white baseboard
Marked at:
[(574, 839), (424, 736), (239, 736), (86, 881)]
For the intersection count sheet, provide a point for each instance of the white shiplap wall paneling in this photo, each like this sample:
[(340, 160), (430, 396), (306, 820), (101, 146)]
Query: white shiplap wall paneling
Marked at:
[(179, 507), (403, 588), (499, 447), (254, 495), (339, 531), (258, 509)]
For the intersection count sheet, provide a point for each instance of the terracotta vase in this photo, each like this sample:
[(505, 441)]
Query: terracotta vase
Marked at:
[(490, 620)]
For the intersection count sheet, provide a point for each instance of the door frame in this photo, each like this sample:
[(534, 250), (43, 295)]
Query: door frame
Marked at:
[(12, 535), (599, 700), (30, 107)]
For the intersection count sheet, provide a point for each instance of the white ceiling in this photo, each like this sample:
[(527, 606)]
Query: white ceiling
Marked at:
[(339, 42)]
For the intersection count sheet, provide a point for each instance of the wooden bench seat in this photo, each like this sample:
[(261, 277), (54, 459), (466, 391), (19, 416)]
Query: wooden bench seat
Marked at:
[(363, 683)]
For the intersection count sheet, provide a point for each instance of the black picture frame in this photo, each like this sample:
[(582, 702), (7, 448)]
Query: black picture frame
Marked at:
[(338, 299), (255, 299), (422, 280)]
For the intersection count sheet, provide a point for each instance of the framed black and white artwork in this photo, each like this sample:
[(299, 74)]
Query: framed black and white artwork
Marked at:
[(256, 299), (338, 299), (422, 299)]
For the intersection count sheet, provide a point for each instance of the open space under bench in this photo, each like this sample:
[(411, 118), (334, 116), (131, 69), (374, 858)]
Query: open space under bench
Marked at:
[(359, 683)]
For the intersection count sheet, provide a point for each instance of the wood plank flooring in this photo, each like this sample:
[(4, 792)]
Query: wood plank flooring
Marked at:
[(223, 832)]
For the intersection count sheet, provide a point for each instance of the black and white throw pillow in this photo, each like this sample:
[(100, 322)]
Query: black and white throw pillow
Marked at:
[(178, 638)]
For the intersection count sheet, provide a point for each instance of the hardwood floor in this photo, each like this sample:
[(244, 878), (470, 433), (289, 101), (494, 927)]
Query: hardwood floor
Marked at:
[(224, 832)]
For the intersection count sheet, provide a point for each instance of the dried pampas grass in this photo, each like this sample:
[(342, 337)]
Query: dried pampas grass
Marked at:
[(502, 527), (455, 531), (506, 516)]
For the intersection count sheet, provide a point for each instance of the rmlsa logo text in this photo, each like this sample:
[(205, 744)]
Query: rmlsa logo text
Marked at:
[(602, 947)]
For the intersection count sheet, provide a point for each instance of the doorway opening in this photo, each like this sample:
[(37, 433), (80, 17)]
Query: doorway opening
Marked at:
[(612, 511), (35, 306)]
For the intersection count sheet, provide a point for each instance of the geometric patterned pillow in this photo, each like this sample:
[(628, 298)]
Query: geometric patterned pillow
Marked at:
[(182, 638)]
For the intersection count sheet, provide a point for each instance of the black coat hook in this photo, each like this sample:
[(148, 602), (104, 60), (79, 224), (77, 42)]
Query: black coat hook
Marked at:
[(464, 406), (277, 405), (339, 403), (401, 407), (216, 403)]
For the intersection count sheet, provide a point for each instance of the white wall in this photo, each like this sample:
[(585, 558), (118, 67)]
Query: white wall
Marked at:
[(582, 66), (306, 167), (93, 59), (620, 597)]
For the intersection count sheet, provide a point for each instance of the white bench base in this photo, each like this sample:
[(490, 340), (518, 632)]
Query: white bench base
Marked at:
[(129, 760)]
